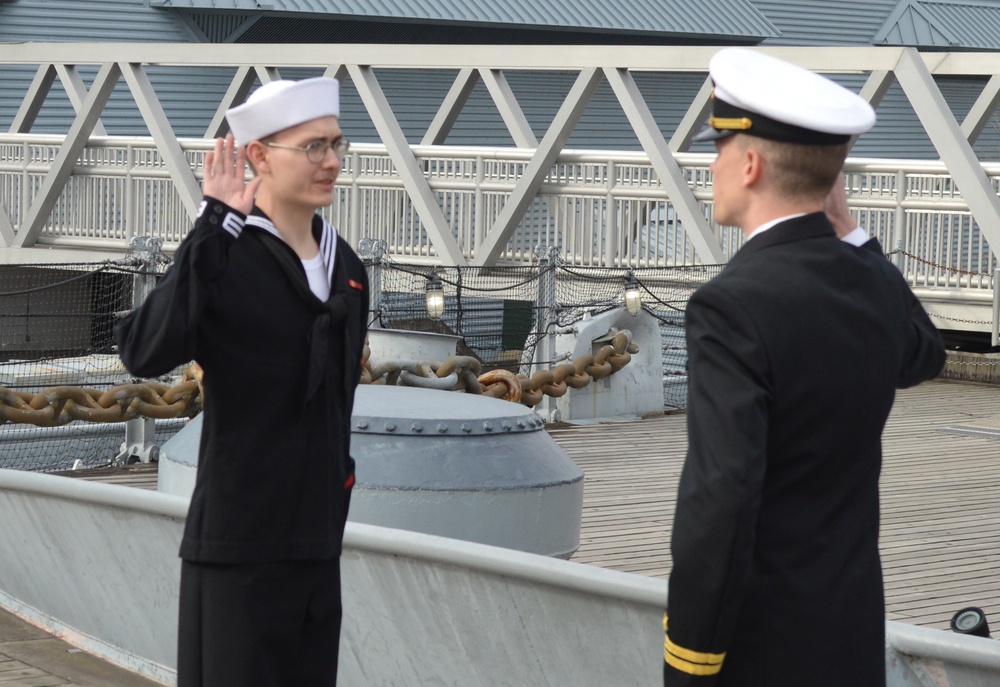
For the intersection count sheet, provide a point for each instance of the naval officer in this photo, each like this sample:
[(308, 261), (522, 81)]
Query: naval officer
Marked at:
[(272, 303), (795, 352)]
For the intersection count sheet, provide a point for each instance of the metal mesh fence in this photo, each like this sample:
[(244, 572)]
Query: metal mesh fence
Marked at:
[(56, 328), (497, 311)]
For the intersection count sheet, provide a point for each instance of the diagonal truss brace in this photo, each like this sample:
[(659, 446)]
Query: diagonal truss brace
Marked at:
[(406, 164), (950, 141), (39, 90), (540, 165), (6, 228), (451, 107), (163, 135), (874, 90), (981, 111), (694, 118), (685, 204), (239, 89), (503, 97), (74, 143), (510, 110)]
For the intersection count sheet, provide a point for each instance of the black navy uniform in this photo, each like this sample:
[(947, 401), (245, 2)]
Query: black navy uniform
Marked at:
[(275, 473), (799, 344)]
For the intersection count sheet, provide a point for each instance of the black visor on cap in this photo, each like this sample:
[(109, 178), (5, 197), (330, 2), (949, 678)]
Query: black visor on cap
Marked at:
[(729, 119)]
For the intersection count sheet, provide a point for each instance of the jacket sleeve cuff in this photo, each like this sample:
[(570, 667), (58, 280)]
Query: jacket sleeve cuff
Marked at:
[(688, 662), (214, 213)]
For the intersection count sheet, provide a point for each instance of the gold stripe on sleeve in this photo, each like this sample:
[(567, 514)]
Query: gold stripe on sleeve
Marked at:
[(690, 661)]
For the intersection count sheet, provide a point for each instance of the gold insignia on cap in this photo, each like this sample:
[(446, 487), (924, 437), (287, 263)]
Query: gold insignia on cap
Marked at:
[(734, 123)]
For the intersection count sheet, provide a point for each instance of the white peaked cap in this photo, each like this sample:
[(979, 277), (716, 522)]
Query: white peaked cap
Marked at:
[(278, 105), (764, 96)]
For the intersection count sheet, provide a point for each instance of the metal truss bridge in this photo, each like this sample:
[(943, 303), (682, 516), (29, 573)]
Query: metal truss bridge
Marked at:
[(84, 195)]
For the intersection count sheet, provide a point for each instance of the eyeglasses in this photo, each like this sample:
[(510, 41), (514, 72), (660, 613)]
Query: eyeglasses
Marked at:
[(317, 150)]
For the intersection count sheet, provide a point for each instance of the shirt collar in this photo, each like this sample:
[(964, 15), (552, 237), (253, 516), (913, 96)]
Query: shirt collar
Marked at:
[(767, 225)]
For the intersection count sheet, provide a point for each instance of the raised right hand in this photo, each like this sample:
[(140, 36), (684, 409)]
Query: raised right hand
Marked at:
[(225, 175)]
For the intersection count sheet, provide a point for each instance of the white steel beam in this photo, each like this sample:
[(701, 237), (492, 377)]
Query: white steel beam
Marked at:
[(527, 186), (694, 119), (874, 91), (239, 89), (6, 228), (984, 107), (690, 212), (185, 183), (878, 84), (267, 74), (451, 107), (31, 105), (687, 58), (69, 153), (336, 71), (409, 170), (76, 91), (953, 147), (510, 110)]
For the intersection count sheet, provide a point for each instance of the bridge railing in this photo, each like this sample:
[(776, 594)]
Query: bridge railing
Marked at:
[(600, 208)]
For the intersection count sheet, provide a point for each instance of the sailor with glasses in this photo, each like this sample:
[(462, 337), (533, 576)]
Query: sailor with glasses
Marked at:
[(272, 304)]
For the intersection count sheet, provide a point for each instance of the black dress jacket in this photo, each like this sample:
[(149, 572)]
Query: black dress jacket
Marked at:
[(795, 352), (280, 371)]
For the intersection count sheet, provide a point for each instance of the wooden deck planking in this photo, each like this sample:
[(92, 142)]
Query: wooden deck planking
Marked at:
[(940, 524)]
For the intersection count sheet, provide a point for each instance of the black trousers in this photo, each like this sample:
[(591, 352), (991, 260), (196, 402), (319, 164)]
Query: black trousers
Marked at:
[(259, 624)]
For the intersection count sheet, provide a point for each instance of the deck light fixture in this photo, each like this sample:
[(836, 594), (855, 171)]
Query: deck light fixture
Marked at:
[(970, 621), (435, 296), (633, 299)]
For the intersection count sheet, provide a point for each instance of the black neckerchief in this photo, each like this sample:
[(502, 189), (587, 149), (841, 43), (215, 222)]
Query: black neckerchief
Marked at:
[(334, 311)]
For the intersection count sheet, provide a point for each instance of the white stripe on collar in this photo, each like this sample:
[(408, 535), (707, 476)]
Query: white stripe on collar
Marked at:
[(327, 240)]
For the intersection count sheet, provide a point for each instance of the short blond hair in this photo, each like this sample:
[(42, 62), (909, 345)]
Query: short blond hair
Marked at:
[(799, 171)]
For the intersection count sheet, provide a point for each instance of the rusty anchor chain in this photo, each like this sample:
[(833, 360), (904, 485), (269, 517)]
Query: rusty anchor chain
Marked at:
[(465, 373), (60, 405)]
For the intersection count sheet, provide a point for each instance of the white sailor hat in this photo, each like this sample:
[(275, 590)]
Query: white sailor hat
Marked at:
[(278, 105), (763, 96)]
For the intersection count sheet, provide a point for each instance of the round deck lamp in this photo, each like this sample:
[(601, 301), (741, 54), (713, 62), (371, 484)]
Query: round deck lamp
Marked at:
[(633, 299), (435, 297), (970, 621)]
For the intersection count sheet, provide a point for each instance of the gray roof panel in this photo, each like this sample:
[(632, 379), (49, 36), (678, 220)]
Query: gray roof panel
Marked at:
[(943, 24), (723, 18), (830, 22)]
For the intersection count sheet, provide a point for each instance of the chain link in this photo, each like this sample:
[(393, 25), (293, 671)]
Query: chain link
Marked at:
[(464, 373), (940, 267), (959, 319), (61, 405)]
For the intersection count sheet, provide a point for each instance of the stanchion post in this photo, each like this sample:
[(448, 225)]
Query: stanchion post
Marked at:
[(545, 348), (995, 327), (140, 433), (372, 252)]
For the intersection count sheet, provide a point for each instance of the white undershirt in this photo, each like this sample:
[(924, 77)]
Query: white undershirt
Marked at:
[(319, 284)]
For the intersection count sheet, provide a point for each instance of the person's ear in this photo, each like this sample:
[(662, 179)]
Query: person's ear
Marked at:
[(753, 167), (257, 156)]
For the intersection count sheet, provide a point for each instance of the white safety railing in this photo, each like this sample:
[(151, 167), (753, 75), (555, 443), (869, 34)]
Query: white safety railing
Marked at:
[(599, 208)]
